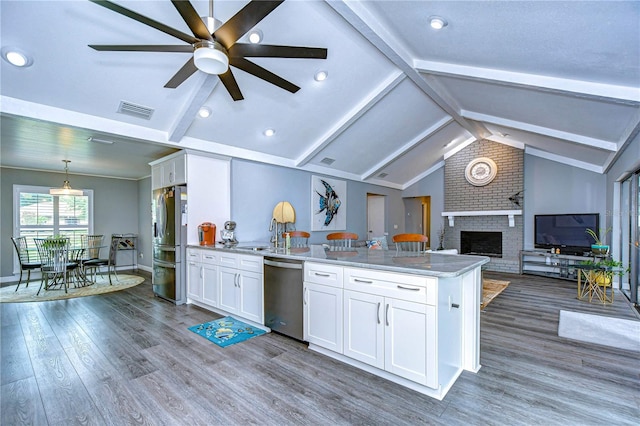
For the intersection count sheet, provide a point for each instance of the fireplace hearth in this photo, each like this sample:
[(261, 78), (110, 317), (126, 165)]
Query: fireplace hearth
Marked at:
[(481, 243)]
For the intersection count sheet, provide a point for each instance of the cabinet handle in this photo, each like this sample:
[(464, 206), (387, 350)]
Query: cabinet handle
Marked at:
[(362, 281), (235, 280), (201, 271), (386, 315), (321, 275), (378, 312), (408, 288), (455, 305), (304, 296)]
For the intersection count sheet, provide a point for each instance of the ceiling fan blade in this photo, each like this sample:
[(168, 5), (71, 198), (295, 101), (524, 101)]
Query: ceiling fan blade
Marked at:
[(231, 84), (270, 51), (264, 74), (190, 16), (182, 74), (243, 21), (147, 21), (142, 48)]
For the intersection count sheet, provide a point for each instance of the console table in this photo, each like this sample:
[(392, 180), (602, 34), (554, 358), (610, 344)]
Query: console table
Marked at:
[(543, 263)]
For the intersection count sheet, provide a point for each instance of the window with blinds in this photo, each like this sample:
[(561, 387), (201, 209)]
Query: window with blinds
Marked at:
[(40, 215)]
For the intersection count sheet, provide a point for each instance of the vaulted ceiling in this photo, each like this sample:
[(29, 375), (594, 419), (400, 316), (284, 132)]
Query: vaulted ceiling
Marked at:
[(558, 79)]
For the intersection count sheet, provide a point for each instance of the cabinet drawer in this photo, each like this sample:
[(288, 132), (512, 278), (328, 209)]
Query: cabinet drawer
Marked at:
[(210, 257), (194, 255), (321, 273), (250, 263), (228, 259), (412, 288)]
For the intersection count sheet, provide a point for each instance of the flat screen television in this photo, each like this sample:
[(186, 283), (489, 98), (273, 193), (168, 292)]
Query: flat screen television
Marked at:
[(565, 231)]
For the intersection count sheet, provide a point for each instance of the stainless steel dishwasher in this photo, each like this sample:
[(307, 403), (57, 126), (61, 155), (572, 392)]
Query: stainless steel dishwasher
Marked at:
[(283, 296)]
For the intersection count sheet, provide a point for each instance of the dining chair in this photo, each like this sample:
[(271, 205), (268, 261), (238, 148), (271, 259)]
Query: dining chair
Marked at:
[(411, 242), (339, 240), (298, 238), (92, 261), (54, 255), (26, 260)]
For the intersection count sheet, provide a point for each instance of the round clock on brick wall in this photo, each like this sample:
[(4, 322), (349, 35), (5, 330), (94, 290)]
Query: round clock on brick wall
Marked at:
[(481, 171)]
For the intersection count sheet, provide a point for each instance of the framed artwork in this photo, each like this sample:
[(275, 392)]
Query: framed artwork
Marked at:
[(328, 204)]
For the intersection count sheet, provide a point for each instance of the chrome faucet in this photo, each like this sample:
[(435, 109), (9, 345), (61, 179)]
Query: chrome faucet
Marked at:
[(271, 227)]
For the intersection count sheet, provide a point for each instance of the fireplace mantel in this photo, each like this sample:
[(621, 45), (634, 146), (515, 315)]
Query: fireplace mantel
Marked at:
[(511, 214)]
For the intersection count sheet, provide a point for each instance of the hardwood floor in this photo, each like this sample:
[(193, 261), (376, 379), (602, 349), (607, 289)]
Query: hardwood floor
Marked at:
[(128, 358)]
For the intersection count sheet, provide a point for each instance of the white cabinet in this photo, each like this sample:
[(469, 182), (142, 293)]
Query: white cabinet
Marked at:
[(241, 286), (194, 275), (322, 313), (170, 171), (389, 325), (202, 276)]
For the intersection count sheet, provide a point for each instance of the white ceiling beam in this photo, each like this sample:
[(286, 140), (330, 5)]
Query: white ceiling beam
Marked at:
[(357, 15), (564, 86), (439, 125), (348, 119), (564, 160), (629, 134), (558, 134), (197, 98)]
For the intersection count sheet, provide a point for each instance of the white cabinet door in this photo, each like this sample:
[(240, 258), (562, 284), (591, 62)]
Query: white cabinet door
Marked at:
[(210, 289), (194, 281), (228, 284), (410, 349), (322, 316), (364, 327), (251, 296)]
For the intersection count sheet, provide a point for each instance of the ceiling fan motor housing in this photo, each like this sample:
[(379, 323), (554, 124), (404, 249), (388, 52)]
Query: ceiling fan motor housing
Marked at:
[(210, 57)]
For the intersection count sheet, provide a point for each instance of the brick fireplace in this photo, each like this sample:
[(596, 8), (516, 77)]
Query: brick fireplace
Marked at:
[(486, 208)]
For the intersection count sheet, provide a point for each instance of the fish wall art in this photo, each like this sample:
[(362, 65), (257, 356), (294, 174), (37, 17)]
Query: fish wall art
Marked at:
[(328, 204)]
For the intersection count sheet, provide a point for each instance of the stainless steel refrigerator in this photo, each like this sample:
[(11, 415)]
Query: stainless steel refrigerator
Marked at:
[(169, 209)]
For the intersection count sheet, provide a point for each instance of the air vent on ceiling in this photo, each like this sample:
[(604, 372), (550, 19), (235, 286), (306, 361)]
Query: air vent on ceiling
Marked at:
[(383, 175), (328, 161), (135, 110)]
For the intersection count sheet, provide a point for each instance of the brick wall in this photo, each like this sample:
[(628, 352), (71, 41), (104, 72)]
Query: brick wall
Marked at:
[(460, 195)]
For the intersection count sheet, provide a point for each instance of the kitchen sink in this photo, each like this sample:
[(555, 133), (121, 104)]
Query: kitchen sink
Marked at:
[(254, 248)]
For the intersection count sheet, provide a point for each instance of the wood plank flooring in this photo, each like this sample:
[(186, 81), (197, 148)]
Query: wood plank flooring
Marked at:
[(128, 358)]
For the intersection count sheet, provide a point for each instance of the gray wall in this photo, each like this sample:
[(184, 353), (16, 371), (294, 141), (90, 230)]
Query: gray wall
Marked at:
[(555, 188), (433, 186), (256, 189), (116, 205)]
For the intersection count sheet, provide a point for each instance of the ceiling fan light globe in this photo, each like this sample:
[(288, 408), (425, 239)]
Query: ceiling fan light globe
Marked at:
[(210, 58)]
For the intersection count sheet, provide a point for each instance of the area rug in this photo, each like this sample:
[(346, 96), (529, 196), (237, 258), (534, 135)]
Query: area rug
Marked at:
[(608, 331), (491, 289), (226, 331), (28, 294)]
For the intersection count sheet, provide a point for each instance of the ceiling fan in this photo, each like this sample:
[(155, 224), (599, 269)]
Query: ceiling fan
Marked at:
[(214, 47)]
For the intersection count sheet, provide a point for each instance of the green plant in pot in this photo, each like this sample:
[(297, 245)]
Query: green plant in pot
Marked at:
[(599, 247)]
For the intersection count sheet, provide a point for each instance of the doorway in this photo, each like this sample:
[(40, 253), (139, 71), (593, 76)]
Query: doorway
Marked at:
[(375, 216), (417, 219)]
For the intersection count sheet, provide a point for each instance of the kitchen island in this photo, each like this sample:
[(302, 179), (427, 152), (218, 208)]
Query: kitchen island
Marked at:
[(411, 318)]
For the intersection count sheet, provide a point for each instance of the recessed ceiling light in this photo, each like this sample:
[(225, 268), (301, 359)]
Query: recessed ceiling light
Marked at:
[(255, 36), (269, 132), (437, 22), (204, 112), (16, 57), (321, 75)]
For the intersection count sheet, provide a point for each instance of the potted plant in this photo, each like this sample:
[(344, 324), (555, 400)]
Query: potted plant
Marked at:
[(610, 266), (599, 247)]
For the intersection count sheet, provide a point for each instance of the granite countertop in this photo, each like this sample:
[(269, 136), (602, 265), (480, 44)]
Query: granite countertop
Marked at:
[(429, 264)]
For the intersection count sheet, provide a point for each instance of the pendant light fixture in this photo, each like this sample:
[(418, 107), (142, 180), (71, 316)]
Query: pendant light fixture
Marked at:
[(66, 187)]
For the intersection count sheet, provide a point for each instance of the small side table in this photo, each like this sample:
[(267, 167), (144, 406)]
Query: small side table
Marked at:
[(596, 281)]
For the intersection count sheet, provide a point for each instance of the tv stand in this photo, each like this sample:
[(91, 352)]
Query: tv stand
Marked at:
[(546, 264)]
